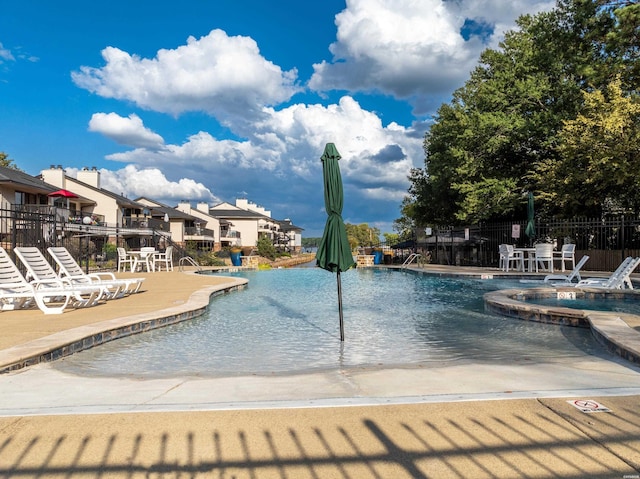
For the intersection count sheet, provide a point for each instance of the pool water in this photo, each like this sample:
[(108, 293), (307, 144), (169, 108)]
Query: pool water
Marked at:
[(631, 306), (286, 321)]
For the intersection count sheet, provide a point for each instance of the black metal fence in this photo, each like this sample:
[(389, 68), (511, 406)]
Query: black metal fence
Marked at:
[(26, 227), (89, 245), (607, 241), (42, 228)]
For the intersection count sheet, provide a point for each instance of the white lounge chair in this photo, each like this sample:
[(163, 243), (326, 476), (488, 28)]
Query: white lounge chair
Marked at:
[(52, 297), (564, 279), (619, 279), (39, 269), (69, 268)]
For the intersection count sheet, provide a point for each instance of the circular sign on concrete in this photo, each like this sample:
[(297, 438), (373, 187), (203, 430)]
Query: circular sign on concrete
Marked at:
[(588, 405)]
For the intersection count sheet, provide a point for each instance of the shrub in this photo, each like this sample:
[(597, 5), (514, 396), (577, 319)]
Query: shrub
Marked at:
[(266, 248), (209, 259)]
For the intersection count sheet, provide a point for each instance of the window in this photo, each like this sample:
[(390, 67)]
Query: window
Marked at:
[(21, 198)]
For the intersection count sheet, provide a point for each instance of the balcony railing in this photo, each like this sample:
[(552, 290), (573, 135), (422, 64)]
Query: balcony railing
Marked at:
[(230, 234), (82, 218), (63, 214), (198, 231), (43, 209)]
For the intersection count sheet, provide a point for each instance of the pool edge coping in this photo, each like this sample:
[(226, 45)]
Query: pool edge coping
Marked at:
[(608, 328), (64, 343)]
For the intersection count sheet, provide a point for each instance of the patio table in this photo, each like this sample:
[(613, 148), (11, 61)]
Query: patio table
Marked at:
[(142, 258), (529, 255)]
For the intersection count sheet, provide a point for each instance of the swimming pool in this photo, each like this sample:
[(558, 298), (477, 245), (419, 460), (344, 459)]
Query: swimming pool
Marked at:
[(286, 322)]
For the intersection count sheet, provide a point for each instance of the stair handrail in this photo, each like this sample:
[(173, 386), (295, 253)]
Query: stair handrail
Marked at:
[(190, 260), (412, 257)]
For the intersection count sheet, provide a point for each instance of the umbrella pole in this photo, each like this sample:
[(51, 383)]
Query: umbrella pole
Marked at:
[(340, 307)]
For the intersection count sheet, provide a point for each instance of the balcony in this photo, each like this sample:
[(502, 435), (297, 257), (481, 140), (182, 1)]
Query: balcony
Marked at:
[(142, 222), (32, 208), (198, 233), (129, 225), (230, 234), (230, 238), (31, 224), (87, 219)]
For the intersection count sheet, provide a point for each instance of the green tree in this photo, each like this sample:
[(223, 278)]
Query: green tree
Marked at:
[(620, 34), (497, 137), (265, 248), (6, 161), (406, 224), (391, 238), (362, 235), (500, 124), (600, 155), (310, 242)]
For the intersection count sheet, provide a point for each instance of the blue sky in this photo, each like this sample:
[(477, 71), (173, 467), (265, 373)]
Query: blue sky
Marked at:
[(213, 100)]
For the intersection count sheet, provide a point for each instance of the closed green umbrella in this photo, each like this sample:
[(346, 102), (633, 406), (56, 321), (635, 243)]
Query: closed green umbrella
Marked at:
[(530, 230), (334, 251)]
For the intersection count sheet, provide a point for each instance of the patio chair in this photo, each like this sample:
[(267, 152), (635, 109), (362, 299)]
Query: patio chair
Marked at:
[(509, 256), (165, 259), (69, 268), (565, 255), (619, 279), (51, 297), (39, 269), (124, 259), (563, 279), (544, 257)]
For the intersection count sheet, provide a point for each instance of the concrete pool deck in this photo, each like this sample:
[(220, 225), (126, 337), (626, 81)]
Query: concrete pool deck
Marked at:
[(458, 420)]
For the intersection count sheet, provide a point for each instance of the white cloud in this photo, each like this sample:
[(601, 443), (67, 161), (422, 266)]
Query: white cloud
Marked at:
[(372, 154), (499, 13), (203, 152), (287, 145), (125, 131), (221, 75), (5, 54), (133, 182), (408, 49), (412, 49), (279, 165)]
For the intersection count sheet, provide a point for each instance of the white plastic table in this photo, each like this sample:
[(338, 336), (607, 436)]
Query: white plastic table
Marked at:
[(143, 258), (529, 255)]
